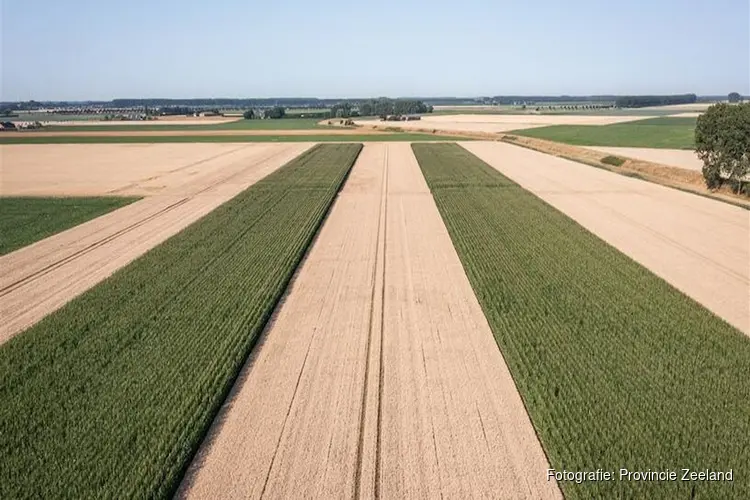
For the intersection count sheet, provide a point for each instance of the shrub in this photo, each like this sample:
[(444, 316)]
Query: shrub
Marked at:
[(613, 160)]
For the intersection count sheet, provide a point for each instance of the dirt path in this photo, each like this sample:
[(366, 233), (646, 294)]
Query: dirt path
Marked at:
[(42, 277), (700, 246), (321, 411)]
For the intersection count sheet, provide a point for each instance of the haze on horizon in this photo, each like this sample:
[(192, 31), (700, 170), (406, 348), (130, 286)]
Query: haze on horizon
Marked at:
[(91, 50)]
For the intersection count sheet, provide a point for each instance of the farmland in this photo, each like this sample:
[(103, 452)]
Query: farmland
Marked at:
[(358, 389), (650, 381), (147, 362), (146, 138), (663, 132), (239, 124), (26, 220)]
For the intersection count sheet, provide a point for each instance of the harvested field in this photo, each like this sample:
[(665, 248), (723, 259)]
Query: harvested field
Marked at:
[(122, 169), (617, 369), (268, 136), (149, 355), (378, 376), (162, 120), (41, 278), (698, 245), (674, 157)]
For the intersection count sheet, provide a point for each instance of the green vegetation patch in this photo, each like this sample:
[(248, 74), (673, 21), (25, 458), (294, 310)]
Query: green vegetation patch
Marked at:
[(82, 139), (663, 132), (613, 160), (110, 396), (25, 220), (617, 369)]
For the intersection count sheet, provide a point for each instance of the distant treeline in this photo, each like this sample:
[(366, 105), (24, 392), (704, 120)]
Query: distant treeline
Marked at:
[(379, 107), (641, 101)]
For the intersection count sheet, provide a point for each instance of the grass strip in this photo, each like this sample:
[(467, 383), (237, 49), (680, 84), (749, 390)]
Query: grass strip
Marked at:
[(110, 396), (83, 139), (664, 132), (617, 369), (25, 220)]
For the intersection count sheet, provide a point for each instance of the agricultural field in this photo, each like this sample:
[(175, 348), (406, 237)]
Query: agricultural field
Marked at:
[(180, 183), (26, 220), (345, 135), (169, 125), (358, 389), (662, 132), (148, 362), (654, 381)]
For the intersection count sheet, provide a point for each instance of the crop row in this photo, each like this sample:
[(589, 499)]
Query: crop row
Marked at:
[(111, 395), (617, 369)]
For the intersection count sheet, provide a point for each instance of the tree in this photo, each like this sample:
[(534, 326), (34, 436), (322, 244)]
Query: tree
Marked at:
[(722, 141), (275, 113), (735, 97), (249, 114)]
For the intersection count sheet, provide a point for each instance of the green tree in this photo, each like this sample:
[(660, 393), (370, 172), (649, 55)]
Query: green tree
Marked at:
[(722, 141), (275, 113), (249, 114), (735, 97)]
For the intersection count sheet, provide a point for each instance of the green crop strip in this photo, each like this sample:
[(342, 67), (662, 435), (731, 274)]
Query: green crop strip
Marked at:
[(664, 132), (110, 396), (617, 369), (25, 220)]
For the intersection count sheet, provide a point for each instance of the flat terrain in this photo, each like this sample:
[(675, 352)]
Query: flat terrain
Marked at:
[(674, 157), (616, 367), (26, 220), (39, 279), (160, 132), (495, 123), (188, 124), (700, 246), (664, 132), (119, 169), (328, 135), (111, 395), (378, 375)]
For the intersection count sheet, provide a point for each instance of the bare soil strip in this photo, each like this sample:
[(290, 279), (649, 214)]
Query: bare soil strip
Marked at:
[(378, 376), (42, 277), (678, 177), (700, 246), (290, 428)]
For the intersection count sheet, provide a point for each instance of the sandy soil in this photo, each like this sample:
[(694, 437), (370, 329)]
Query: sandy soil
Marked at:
[(690, 114), (675, 157), (107, 169), (700, 246), (44, 276), (201, 133), (679, 108), (378, 376), (497, 123)]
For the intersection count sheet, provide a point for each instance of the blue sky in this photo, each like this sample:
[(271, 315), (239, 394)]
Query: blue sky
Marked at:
[(103, 49)]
